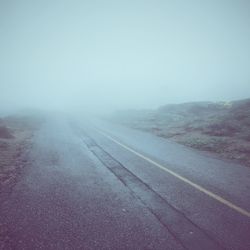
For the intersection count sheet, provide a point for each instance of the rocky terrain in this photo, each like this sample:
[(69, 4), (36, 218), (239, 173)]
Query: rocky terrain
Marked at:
[(218, 127)]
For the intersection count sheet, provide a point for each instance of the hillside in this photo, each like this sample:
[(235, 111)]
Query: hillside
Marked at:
[(221, 127)]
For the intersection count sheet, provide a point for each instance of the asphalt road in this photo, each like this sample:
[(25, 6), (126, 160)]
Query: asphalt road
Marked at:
[(102, 186)]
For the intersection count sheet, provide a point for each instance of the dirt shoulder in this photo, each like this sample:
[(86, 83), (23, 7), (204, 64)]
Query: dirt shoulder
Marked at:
[(222, 128), (16, 134), (15, 139)]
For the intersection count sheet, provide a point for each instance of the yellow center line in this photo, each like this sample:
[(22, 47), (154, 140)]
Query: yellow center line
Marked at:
[(196, 186)]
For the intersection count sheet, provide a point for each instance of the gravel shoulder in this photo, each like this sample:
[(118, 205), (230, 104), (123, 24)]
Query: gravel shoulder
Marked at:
[(16, 134), (15, 139)]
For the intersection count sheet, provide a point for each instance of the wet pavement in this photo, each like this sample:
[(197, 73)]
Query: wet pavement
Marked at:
[(80, 190)]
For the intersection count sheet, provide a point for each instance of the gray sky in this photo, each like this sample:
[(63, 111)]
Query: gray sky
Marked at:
[(103, 55)]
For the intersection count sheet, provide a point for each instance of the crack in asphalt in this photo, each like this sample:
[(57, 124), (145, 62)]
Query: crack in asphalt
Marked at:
[(188, 234)]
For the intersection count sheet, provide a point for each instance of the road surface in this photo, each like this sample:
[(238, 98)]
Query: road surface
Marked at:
[(102, 186)]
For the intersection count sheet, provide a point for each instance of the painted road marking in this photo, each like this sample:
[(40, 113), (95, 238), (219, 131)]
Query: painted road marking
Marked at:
[(196, 186)]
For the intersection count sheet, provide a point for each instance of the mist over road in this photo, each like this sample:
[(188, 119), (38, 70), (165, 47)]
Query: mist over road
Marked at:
[(74, 182), (94, 185)]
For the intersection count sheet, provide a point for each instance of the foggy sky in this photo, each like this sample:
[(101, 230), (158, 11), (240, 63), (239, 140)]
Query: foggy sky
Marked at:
[(106, 55)]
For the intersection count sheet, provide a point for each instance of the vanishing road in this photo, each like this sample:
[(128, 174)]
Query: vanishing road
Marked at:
[(102, 186)]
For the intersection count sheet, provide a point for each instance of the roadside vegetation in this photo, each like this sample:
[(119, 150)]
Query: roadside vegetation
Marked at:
[(15, 137), (220, 127)]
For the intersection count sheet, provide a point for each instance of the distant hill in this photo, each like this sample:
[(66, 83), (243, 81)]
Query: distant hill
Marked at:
[(220, 127)]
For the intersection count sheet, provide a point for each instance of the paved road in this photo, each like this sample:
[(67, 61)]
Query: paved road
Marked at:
[(102, 186)]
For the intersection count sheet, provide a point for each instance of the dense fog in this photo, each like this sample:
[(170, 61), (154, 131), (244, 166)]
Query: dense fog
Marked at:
[(99, 56)]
